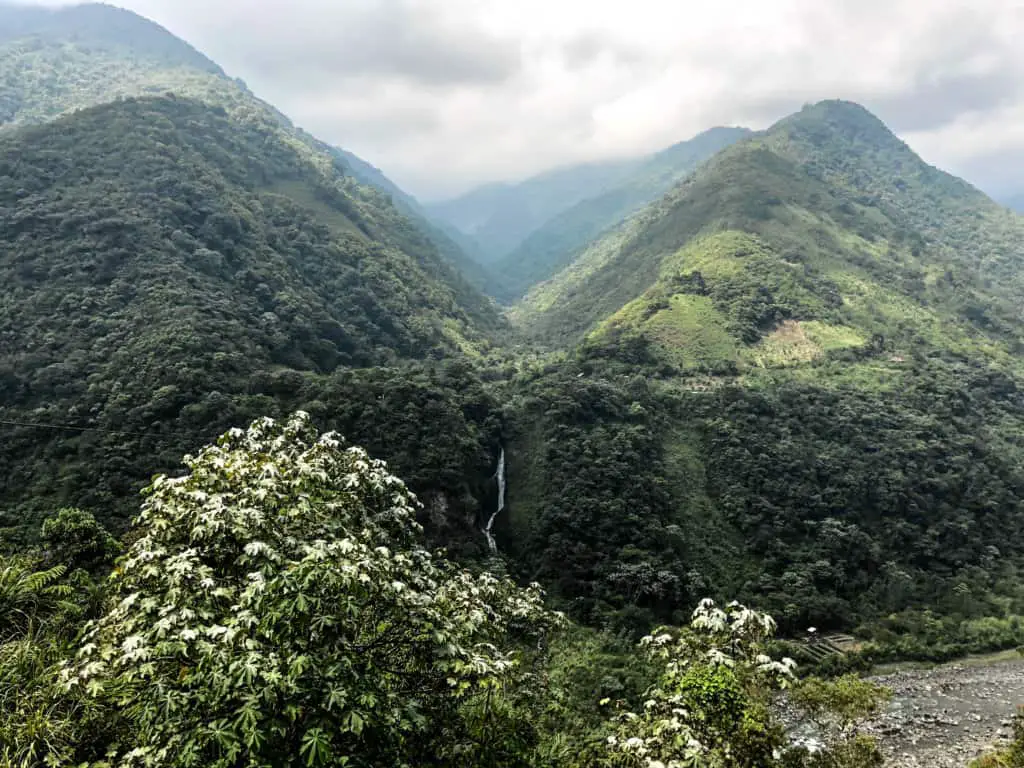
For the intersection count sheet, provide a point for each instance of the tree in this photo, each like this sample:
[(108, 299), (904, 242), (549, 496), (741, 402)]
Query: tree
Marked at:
[(836, 707), (75, 539), (713, 703), (276, 609), (710, 706)]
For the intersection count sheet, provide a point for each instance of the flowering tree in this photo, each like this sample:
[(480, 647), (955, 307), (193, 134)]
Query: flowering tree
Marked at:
[(710, 706), (713, 703), (277, 610)]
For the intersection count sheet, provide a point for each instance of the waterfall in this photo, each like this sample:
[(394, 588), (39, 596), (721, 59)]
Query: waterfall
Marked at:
[(499, 474)]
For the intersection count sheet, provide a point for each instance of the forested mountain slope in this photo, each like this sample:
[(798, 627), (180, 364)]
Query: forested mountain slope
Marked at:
[(56, 60), (169, 270), (461, 250), (558, 241), (826, 208), (793, 379), (796, 378)]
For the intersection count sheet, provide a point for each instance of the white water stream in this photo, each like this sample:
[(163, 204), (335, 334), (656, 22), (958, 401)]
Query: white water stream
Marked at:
[(499, 473)]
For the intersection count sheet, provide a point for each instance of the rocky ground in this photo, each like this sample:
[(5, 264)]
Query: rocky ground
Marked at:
[(945, 716)]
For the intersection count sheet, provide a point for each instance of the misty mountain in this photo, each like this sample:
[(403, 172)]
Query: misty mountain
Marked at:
[(498, 217)]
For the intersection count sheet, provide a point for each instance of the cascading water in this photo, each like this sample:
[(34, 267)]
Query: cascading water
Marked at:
[(499, 474)]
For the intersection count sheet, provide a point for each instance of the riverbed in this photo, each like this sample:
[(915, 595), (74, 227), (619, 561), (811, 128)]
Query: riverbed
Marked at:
[(945, 716)]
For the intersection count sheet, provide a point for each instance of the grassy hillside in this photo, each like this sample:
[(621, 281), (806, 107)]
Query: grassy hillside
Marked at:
[(559, 240)]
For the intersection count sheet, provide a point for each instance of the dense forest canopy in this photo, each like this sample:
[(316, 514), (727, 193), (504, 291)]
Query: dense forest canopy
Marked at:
[(166, 266), (276, 607)]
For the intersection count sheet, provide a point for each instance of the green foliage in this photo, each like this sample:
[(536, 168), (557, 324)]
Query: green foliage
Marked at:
[(40, 612), (75, 540), (842, 493), (28, 596), (713, 702), (276, 605), (600, 527), (55, 61), (1010, 757), (833, 415), (839, 704)]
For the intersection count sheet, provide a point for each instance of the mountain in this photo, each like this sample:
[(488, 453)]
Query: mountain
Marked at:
[(498, 217), (100, 28), (167, 268), (176, 264), (460, 250), (832, 195), (555, 244), (56, 60), (797, 379), (793, 379)]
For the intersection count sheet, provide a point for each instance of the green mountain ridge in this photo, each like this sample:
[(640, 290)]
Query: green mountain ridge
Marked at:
[(260, 273), (796, 378), (460, 249), (99, 26), (159, 256), (823, 203), (558, 241), (55, 61)]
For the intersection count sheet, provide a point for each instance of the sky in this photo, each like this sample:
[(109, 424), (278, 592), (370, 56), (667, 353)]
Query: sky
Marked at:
[(446, 94)]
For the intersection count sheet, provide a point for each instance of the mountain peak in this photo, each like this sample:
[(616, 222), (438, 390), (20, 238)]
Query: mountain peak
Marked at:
[(836, 118), (102, 25)]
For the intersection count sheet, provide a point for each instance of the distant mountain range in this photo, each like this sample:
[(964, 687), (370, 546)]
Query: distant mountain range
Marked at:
[(558, 240), (530, 229), (498, 217)]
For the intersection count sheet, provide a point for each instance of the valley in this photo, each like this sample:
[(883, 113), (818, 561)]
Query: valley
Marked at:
[(297, 469)]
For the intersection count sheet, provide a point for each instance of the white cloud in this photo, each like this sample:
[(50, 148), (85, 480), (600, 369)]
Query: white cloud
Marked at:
[(443, 94)]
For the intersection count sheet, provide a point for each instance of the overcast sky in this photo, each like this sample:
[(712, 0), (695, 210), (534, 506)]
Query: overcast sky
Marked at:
[(443, 94)]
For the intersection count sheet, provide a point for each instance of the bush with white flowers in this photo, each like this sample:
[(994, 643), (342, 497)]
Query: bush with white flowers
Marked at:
[(276, 609), (711, 705)]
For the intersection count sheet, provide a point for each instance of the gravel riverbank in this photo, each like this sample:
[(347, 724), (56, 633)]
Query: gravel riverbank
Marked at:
[(945, 716)]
